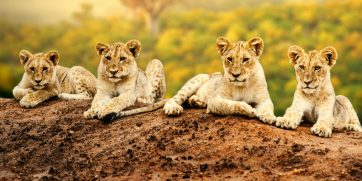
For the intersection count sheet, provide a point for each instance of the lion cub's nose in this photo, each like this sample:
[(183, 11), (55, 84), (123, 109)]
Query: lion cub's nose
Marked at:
[(307, 82), (113, 71), (38, 81), (236, 75)]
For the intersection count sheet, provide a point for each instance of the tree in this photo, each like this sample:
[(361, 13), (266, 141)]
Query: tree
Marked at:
[(150, 10), (86, 12)]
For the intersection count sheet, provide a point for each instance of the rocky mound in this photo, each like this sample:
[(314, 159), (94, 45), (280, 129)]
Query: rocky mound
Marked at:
[(53, 141)]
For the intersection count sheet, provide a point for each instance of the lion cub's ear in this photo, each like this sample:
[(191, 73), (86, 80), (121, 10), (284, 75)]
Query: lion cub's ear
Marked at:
[(222, 45), (330, 55), (101, 47), (257, 45), (294, 52), (24, 56), (134, 46), (53, 56)]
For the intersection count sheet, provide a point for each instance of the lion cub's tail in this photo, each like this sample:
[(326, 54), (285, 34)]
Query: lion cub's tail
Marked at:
[(149, 108)]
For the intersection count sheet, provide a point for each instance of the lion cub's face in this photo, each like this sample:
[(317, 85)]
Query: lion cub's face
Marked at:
[(239, 58), (40, 67), (118, 59), (312, 67)]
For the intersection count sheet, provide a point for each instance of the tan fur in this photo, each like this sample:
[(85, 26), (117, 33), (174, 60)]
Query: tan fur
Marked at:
[(241, 90), (53, 80), (314, 99), (121, 83), (145, 109)]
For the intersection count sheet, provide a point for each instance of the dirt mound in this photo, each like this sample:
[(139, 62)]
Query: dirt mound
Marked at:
[(54, 141)]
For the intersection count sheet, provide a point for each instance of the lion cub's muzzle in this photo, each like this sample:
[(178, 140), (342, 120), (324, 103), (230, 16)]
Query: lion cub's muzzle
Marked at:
[(237, 78), (39, 84), (115, 75), (309, 85)]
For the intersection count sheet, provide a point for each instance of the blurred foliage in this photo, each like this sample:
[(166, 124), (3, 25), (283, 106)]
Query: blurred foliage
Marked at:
[(186, 43)]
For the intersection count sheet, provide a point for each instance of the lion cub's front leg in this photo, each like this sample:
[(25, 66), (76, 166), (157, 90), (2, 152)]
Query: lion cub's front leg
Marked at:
[(265, 112), (19, 92), (222, 106), (324, 125), (37, 97), (172, 108), (115, 105), (291, 118), (196, 101), (100, 99)]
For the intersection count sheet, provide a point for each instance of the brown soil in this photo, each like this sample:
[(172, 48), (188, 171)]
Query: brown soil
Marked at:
[(54, 142)]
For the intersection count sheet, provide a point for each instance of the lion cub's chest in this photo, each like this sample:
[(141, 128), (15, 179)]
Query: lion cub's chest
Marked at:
[(310, 115), (140, 87), (243, 94), (312, 104)]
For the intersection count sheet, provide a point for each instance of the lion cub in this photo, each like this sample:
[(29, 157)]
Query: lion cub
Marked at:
[(241, 90), (315, 100), (44, 78), (121, 83)]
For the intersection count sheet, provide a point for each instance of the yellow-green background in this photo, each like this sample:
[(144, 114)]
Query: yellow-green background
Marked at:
[(186, 40)]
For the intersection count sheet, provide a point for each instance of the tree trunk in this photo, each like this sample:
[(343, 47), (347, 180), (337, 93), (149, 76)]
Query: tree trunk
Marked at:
[(152, 24)]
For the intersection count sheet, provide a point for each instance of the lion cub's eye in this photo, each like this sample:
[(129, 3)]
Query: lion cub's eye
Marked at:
[(108, 57), (301, 67), (317, 68), (45, 69), (122, 59), (32, 69), (246, 60), (230, 59)]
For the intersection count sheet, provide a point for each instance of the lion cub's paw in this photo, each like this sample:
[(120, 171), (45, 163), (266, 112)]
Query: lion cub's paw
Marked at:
[(171, 108), (108, 117), (105, 113), (243, 108), (354, 127), (266, 117), (28, 91), (28, 103), (252, 113), (90, 114), (322, 130), (286, 123), (195, 101)]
